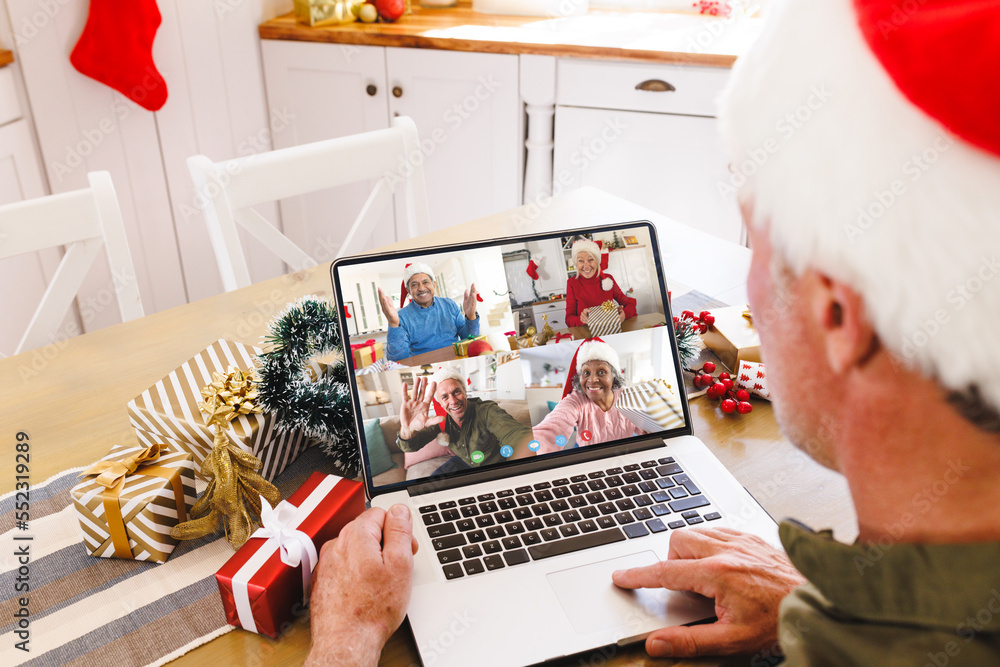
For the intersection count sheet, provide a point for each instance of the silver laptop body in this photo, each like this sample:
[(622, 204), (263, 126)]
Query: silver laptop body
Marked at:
[(520, 603)]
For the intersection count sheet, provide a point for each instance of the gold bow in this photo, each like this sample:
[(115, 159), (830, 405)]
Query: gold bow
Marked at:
[(112, 474), (609, 306), (232, 499)]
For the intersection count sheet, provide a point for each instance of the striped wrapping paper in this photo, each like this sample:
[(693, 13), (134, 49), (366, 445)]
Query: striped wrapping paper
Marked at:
[(147, 502), (604, 320), (168, 412), (652, 406), (92, 612)]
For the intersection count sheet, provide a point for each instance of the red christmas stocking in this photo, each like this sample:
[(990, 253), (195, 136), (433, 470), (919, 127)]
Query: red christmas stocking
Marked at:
[(116, 48), (532, 269)]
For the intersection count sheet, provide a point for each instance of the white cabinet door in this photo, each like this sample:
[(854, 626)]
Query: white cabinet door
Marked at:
[(549, 256), (672, 164), (327, 91), (628, 266), (467, 111)]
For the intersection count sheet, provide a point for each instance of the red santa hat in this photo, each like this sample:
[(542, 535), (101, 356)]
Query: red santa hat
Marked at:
[(864, 135), (409, 271), (591, 349), (600, 255)]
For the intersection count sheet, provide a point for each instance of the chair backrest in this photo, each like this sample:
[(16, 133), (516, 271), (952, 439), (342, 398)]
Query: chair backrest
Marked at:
[(83, 221), (232, 188)]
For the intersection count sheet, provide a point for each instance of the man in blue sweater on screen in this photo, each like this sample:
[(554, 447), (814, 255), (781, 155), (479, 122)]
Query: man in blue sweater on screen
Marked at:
[(426, 323)]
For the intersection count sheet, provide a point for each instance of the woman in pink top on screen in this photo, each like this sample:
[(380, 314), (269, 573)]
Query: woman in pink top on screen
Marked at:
[(588, 402)]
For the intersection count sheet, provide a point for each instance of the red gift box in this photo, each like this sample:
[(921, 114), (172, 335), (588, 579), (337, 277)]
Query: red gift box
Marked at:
[(259, 591)]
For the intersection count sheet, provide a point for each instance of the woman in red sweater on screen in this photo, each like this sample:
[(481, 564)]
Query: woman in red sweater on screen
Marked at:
[(592, 286)]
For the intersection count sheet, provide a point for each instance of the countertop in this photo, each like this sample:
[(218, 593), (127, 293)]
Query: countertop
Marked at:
[(6, 57), (663, 37)]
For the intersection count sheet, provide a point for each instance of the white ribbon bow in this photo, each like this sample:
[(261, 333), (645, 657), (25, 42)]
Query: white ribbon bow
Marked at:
[(294, 546)]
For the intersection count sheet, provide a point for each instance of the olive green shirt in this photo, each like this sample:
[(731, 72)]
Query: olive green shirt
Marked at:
[(918, 605), (486, 427)]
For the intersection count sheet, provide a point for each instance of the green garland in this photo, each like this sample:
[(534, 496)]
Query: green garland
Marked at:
[(689, 343), (304, 329)]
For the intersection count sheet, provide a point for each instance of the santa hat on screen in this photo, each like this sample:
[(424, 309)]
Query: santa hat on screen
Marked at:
[(863, 135), (597, 251), (441, 374), (591, 349), (409, 271)]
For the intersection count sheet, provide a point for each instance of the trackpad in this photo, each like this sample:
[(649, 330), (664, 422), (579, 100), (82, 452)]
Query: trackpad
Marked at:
[(593, 603)]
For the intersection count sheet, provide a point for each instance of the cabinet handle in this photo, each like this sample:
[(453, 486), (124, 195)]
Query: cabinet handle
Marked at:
[(397, 91), (655, 86), (371, 89)]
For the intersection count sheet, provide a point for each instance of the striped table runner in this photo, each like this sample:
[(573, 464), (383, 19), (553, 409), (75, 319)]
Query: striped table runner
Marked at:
[(107, 611)]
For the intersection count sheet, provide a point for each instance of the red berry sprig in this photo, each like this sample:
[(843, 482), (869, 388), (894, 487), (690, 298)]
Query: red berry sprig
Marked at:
[(701, 322), (722, 389)]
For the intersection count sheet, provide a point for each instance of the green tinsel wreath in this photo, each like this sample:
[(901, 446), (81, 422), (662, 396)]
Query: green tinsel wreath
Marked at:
[(321, 408)]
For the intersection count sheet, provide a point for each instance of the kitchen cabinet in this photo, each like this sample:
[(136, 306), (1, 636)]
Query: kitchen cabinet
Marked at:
[(465, 105), (630, 270), (646, 133), (556, 312)]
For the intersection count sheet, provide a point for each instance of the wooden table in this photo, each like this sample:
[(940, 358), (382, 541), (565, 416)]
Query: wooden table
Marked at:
[(70, 398)]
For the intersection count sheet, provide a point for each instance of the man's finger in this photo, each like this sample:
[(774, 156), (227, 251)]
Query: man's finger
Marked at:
[(429, 393), (406, 393), (680, 575), (697, 543), (434, 421), (695, 640), (397, 536)]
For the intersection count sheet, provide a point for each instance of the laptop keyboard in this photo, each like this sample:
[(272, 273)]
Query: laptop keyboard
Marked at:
[(492, 531)]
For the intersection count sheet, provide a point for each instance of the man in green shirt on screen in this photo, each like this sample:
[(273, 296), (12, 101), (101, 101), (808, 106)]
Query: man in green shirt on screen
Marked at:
[(864, 151)]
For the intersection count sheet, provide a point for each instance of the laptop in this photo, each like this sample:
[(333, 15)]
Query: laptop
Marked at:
[(522, 513)]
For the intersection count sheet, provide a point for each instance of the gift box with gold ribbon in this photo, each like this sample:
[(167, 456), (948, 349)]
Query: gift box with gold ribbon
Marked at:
[(604, 320), (130, 499), (462, 347), (653, 406), (367, 353), (325, 12), (268, 578), (168, 412), (732, 336)]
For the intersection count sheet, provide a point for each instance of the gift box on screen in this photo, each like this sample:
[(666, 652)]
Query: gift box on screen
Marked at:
[(732, 336), (130, 499), (263, 584), (367, 353), (603, 320), (652, 406), (462, 347), (168, 412)]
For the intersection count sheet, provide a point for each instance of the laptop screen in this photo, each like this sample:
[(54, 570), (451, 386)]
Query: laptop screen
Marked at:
[(489, 354)]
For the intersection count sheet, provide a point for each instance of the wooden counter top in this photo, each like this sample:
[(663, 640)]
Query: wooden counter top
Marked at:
[(666, 37), (6, 57)]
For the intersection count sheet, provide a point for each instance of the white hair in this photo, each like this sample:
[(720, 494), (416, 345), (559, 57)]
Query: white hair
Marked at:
[(856, 182)]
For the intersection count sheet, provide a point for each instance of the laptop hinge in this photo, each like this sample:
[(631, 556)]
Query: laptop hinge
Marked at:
[(543, 463)]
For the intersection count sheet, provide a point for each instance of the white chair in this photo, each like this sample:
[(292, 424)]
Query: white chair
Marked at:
[(233, 187), (83, 221)]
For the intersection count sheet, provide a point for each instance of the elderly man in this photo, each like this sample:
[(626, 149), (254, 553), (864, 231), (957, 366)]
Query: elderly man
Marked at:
[(874, 287), (427, 323), (476, 431)]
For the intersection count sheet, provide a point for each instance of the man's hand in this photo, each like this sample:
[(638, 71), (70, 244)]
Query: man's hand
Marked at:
[(389, 310), (361, 588), (413, 411), (469, 302), (745, 576), (585, 316)]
